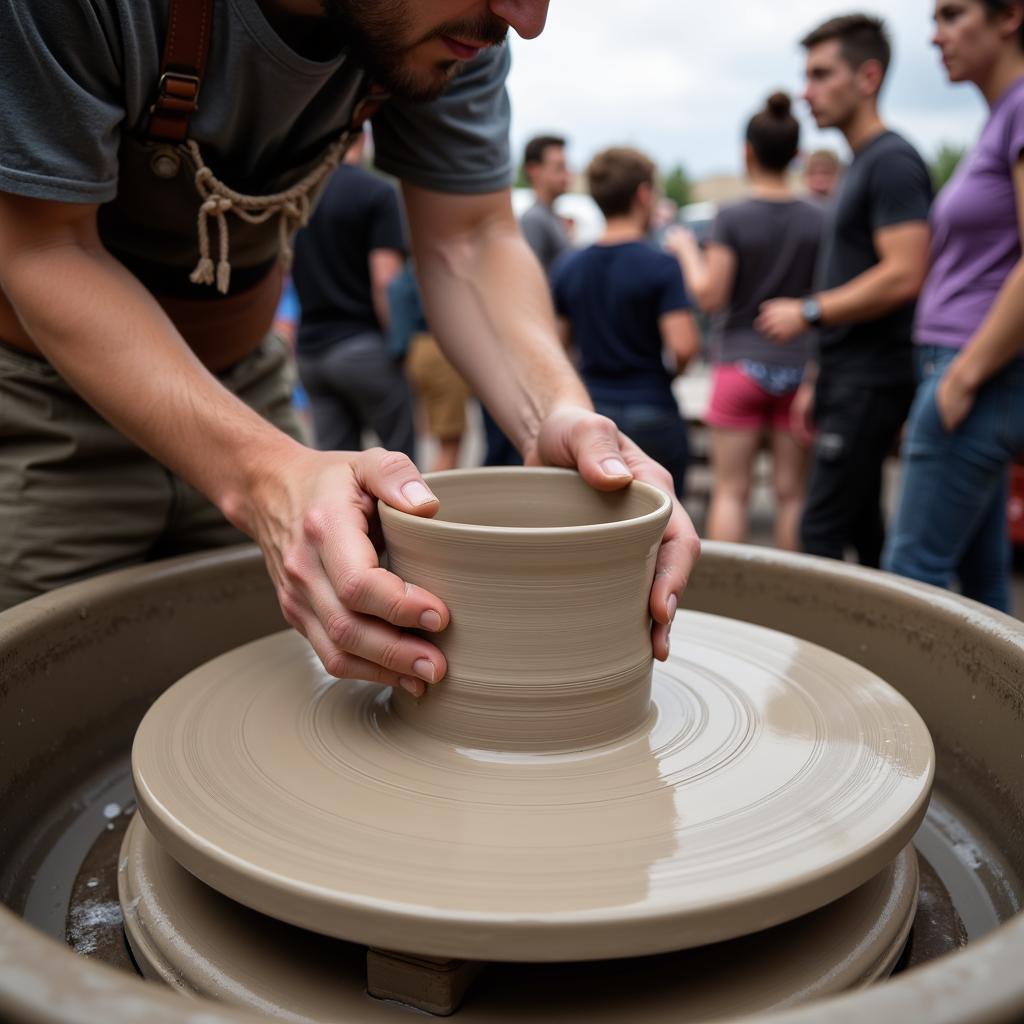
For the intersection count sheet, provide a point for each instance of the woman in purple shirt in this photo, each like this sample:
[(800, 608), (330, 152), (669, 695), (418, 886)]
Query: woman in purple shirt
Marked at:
[(967, 423)]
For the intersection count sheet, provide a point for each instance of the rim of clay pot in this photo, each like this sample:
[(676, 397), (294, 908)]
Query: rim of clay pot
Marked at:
[(662, 507)]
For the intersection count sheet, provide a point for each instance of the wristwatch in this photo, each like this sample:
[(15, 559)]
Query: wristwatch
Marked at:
[(810, 309)]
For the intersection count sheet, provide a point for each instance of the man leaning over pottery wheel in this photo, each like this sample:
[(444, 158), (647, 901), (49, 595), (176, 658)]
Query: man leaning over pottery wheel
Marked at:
[(157, 156)]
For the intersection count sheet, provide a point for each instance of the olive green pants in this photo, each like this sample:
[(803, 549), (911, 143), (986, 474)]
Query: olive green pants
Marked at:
[(77, 498)]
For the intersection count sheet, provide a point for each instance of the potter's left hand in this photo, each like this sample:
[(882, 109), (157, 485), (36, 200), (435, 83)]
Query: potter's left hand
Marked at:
[(608, 460), (954, 400)]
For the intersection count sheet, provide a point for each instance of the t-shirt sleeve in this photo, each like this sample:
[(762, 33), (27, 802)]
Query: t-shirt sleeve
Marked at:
[(63, 106), (901, 190), (386, 228), (672, 297), (722, 230), (457, 143), (1015, 129)]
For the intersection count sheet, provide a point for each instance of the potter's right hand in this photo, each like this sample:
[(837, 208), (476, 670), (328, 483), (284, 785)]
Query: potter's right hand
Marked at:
[(313, 515)]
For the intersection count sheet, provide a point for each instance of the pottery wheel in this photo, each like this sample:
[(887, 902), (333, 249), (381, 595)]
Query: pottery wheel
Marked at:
[(771, 778), (201, 943)]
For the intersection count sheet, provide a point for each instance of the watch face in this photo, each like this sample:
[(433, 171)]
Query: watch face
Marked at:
[(811, 310)]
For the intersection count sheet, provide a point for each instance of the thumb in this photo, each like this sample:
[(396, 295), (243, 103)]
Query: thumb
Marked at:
[(598, 455), (394, 478)]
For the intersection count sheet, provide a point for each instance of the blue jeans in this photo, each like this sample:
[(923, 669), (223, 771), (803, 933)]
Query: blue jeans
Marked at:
[(660, 432), (951, 518)]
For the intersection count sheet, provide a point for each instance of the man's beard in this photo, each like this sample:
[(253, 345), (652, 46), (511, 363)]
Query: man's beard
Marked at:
[(374, 34)]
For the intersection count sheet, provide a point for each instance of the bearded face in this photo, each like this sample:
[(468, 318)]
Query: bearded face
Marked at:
[(409, 46)]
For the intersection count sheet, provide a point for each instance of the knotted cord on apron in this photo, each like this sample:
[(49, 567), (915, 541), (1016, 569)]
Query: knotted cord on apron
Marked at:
[(183, 67), (292, 207)]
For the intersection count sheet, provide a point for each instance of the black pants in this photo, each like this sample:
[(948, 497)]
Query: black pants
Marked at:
[(857, 426), (354, 385), (659, 431)]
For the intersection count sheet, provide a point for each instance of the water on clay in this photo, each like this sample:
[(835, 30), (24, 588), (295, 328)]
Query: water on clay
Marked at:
[(72, 897)]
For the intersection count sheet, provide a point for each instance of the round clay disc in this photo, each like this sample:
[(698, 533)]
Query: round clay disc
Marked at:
[(771, 778), (202, 943)]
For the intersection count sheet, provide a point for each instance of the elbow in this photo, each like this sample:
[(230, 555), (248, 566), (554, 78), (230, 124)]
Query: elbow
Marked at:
[(908, 289), (709, 300), (906, 283)]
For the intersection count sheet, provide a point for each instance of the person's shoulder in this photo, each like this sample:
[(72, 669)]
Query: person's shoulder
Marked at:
[(894, 148), (650, 260), (536, 213), (570, 261), (809, 210)]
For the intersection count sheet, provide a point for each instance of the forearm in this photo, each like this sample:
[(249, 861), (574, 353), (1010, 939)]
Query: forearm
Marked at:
[(488, 303), (880, 290), (1000, 337), (381, 309), (696, 274), (111, 341)]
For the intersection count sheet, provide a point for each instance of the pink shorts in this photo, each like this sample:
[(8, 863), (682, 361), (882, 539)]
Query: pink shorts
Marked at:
[(738, 403)]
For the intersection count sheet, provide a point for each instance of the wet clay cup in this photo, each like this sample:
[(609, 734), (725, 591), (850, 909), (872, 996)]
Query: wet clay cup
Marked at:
[(548, 584)]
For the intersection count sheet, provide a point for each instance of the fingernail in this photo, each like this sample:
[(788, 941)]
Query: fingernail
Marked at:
[(430, 620), (424, 669), (417, 493), (414, 686), (615, 467), (673, 601)]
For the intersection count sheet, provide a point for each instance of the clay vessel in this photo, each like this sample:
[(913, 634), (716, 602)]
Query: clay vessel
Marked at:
[(547, 582)]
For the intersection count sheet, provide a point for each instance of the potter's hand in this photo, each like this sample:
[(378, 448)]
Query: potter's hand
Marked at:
[(782, 320), (608, 460), (314, 517)]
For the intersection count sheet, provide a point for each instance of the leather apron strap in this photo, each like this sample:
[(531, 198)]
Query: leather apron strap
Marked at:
[(181, 70)]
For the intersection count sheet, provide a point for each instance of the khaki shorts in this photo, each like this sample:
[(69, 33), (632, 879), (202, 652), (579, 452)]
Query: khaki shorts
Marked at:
[(77, 498), (439, 387)]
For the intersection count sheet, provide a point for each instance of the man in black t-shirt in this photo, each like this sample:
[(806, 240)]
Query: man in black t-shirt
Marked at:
[(345, 261), (874, 261)]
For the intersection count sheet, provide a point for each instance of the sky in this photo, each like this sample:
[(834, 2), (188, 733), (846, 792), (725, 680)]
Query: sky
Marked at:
[(679, 78)]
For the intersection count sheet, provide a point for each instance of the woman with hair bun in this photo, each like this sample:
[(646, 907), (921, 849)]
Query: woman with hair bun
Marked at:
[(967, 422), (763, 247)]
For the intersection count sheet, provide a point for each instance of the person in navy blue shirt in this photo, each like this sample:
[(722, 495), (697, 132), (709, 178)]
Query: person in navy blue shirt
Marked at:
[(623, 307)]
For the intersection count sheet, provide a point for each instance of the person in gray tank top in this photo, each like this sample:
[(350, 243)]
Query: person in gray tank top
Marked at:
[(760, 248)]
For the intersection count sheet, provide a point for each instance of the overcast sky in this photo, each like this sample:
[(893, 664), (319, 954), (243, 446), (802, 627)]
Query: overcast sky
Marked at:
[(678, 78)]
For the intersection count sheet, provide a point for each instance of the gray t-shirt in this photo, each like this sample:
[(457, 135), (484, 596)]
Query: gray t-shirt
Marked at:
[(77, 78), (776, 248), (544, 233)]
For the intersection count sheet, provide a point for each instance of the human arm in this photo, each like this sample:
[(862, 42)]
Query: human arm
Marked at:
[(489, 305), (709, 274), (997, 341), (309, 511), (892, 282), (680, 336), (385, 266)]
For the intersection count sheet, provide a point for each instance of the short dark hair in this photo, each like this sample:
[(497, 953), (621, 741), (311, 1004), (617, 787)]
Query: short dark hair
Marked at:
[(999, 7), (774, 133), (861, 38), (536, 148), (614, 176)]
